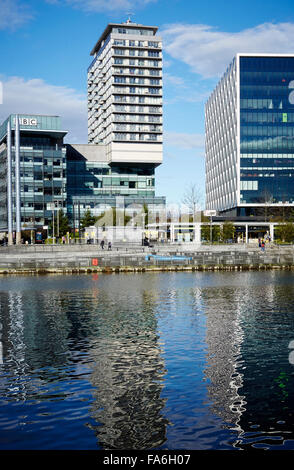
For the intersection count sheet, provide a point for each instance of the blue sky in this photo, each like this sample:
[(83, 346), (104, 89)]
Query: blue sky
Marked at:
[(44, 55)]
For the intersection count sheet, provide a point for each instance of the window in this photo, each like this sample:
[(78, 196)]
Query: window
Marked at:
[(119, 79), (153, 91), (249, 185), (119, 136), (154, 109), (153, 44), (154, 119), (153, 53), (153, 63)]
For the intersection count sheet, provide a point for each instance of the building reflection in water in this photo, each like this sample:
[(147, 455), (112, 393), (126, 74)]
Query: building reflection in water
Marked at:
[(268, 326), (248, 374), (34, 333), (105, 332), (224, 371), (128, 372)]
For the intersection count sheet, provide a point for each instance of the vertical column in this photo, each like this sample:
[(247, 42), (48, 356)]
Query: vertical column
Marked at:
[(272, 232), (17, 181), (172, 233), (9, 185), (246, 236), (197, 232)]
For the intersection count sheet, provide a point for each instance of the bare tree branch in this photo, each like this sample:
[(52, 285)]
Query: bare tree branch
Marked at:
[(193, 198)]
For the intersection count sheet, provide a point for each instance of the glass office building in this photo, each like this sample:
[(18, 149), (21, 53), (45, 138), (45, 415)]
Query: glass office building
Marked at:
[(32, 172), (250, 137), (93, 184)]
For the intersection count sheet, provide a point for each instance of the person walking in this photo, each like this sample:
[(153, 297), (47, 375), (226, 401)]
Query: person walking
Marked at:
[(109, 246), (262, 245), (102, 244)]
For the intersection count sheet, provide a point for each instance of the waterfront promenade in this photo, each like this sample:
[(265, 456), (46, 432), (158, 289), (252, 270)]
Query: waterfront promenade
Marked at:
[(127, 257)]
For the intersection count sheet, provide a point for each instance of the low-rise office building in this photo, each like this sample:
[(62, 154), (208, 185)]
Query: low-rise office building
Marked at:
[(96, 185), (32, 172)]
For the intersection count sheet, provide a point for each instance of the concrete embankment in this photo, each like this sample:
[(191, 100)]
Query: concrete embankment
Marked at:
[(44, 259)]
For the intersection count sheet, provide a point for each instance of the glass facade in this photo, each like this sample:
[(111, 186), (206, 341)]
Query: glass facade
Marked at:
[(94, 185), (42, 170), (221, 144), (249, 121), (266, 130)]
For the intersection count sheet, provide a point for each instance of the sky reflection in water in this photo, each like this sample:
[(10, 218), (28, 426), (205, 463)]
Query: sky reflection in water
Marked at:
[(147, 361)]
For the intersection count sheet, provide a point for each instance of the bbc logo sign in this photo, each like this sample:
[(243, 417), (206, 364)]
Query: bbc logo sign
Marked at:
[(27, 121)]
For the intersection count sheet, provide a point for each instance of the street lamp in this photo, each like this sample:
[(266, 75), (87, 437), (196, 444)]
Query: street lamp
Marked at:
[(210, 213)]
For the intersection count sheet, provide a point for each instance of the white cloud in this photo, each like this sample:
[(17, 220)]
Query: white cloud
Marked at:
[(209, 51), (13, 14), (179, 90), (173, 79), (103, 5), (184, 140), (35, 96)]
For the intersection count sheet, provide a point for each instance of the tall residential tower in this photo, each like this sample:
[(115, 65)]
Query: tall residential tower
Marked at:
[(125, 94)]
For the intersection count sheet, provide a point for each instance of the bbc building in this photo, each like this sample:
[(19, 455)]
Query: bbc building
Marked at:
[(249, 121), (32, 172)]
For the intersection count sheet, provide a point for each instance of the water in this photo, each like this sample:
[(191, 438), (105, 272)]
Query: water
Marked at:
[(147, 361)]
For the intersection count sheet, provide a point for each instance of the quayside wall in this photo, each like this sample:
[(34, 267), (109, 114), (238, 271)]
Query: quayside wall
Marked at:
[(91, 258)]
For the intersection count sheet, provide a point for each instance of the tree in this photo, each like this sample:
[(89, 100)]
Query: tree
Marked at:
[(145, 214), (61, 224), (228, 231), (215, 232), (193, 199), (113, 217), (267, 201), (87, 220), (285, 232)]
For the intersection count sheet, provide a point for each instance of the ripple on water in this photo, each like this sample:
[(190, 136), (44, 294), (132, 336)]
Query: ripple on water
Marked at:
[(153, 361)]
